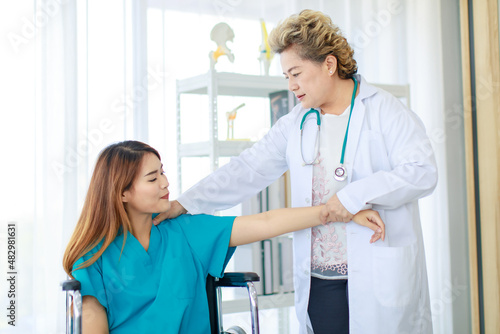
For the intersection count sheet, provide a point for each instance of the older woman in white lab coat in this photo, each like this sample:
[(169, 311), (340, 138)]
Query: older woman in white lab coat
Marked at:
[(389, 165)]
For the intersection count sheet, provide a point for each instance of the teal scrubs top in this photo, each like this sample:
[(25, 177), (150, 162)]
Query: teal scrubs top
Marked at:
[(161, 290)]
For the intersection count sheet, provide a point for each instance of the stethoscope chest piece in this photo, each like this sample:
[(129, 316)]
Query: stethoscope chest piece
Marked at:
[(340, 173)]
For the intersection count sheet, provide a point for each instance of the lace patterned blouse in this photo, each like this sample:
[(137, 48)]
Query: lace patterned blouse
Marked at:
[(329, 242)]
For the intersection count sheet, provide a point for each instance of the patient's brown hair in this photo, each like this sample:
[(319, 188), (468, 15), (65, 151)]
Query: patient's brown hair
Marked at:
[(103, 212)]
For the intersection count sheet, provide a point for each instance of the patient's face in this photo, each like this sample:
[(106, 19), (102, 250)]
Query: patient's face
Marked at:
[(149, 192)]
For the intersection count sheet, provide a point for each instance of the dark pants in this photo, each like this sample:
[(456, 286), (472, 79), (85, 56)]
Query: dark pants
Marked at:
[(328, 306)]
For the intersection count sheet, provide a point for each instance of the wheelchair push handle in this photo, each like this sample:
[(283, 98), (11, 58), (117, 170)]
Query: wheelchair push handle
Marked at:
[(237, 279), (73, 306), (71, 285)]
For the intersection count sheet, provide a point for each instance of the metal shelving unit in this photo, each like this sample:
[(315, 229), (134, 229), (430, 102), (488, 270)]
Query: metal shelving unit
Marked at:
[(215, 84)]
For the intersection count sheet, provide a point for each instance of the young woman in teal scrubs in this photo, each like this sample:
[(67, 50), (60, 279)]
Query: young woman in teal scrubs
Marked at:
[(141, 278)]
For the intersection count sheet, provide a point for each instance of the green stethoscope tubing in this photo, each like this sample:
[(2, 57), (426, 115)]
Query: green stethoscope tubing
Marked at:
[(349, 121), (340, 172)]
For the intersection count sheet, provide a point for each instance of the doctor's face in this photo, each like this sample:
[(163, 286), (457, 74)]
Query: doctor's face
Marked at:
[(308, 80), (149, 192)]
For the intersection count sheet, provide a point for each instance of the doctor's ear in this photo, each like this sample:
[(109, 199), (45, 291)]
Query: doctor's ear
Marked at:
[(331, 64)]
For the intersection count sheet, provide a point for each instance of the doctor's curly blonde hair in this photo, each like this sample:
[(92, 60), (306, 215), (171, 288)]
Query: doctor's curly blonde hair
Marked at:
[(315, 37)]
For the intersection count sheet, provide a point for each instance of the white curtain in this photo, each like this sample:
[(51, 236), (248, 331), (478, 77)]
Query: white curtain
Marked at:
[(70, 74), (38, 113), (17, 162), (426, 77)]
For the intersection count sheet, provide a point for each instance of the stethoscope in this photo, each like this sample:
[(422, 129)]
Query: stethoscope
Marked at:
[(340, 173)]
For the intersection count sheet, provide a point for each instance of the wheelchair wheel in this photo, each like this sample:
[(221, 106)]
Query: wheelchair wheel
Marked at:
[(235, 330)]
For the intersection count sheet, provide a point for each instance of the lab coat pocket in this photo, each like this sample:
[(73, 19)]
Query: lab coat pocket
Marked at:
[(183, 279), (395, 275)]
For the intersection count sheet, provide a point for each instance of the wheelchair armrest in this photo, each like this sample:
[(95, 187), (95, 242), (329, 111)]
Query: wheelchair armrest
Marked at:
[(237, 279), (71, 285)]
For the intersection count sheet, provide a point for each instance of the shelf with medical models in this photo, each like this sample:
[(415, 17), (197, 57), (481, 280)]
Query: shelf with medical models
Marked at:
[(235, 84), (215, 84)]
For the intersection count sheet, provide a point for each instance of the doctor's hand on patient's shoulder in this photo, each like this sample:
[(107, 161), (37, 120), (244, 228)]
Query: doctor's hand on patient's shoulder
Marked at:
[(372, 220), (334, 211), (176, 209)]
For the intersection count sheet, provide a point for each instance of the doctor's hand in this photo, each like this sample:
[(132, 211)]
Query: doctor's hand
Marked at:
[(372, 220), (176, 209), (334, 211)]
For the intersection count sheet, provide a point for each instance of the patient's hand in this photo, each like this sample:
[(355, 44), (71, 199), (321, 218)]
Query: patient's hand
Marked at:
[(372, 220)]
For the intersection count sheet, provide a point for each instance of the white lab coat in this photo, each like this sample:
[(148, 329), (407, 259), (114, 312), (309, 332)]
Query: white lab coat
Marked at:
[(390, 164)]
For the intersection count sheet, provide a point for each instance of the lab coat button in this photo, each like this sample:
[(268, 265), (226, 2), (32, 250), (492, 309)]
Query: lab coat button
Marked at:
[(306, 272), (308, 200)]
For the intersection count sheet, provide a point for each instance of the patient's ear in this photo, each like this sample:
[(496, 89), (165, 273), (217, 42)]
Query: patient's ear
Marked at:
[(125, 196)]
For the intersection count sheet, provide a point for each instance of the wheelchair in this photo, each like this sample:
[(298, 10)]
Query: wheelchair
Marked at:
[(213, 285)]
